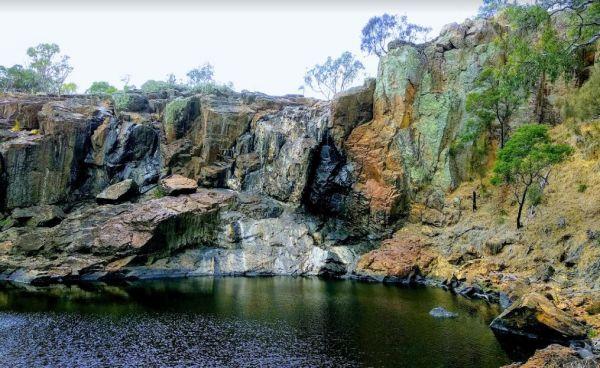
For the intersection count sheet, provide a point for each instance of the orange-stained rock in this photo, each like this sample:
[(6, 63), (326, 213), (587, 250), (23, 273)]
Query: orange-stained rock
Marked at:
[(402, 256), (553, 356)]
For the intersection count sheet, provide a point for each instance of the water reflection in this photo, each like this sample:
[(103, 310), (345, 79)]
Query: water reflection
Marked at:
[(248, 322)]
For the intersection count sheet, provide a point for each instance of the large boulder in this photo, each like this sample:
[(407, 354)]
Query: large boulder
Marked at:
[(534, 316), (555, 356), (177, 184), (118, 192), (42, 215)]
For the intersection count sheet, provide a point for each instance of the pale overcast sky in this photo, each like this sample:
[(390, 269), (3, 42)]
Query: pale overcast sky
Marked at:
[(258, 45)]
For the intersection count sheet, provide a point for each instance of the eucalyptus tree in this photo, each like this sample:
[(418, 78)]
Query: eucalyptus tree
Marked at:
[(334, 75), (379, 31)]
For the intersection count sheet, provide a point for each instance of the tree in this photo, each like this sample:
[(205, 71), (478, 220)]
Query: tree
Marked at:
[(101, 87), (537, 51), (126, 79), (379, 31), (526, 159), (489, 8), (333, 76), (51, 68), (18, 79), (583, 20), (201, 75), (69, 88), (501, 90)]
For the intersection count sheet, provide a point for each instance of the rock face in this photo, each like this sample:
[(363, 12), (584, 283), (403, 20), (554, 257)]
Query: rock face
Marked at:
[(81, 148), (536, 316), (212, 232), (400, 258), (418, 111), (356, 187)]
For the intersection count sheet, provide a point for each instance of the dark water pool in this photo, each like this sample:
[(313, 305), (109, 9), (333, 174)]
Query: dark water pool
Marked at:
[(243, 322)]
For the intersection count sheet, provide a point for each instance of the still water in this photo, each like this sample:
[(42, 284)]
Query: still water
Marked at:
[(243, 322)]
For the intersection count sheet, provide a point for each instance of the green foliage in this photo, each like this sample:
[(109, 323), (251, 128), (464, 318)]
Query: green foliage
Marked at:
[(122, 101), (528, 153), (159, 192), (526, 159), (16, 127), (69, 88), (101, 87), (333, 76), (489, 8), (154, 86), (51, 68), (46, 72), (18, 79), (581, 187), (213, 88), (535, 195), (379, 31), (500, 91), (201, 75), (583, 104)]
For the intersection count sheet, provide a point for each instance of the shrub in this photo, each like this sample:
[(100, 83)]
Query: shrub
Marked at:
[(581, 188), (159, 192), (154, 86), (583, 104), (16, 127)]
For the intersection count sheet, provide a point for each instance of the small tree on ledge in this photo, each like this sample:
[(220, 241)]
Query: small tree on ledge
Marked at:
[(526, 159)]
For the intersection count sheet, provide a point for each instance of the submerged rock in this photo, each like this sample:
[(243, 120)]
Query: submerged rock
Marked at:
[(439, 312)]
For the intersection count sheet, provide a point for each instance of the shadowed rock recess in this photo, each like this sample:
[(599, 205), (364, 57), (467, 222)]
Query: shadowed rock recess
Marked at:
[(144, 185)]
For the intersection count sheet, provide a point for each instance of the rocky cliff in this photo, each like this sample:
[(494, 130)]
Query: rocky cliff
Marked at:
[(368, 185)]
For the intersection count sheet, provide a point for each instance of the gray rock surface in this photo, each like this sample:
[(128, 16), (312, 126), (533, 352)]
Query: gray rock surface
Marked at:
[(439, 312)]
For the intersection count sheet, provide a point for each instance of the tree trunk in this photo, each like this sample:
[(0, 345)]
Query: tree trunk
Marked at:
[(540, 99), (521, 203), (501, 134), (474, 201)]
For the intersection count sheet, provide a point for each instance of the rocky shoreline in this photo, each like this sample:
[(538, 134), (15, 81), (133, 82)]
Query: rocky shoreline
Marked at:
[(368, 186)]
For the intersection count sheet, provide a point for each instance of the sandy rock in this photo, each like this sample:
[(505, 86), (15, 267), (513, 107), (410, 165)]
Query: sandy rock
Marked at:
[(178, 184), (535, 316)]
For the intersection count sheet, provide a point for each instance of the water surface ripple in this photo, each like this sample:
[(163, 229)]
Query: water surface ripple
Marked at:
[(243, 322)]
